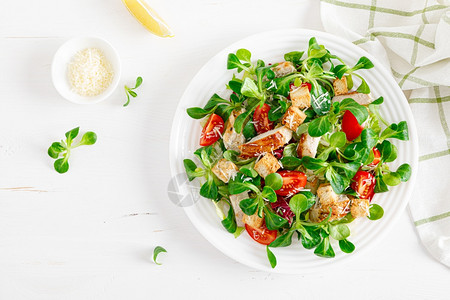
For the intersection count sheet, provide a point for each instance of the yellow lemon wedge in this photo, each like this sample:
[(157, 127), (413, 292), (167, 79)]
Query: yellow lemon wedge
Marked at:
[(148, 17)]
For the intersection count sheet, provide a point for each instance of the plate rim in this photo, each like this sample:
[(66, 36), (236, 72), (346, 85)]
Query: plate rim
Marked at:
[(391, 81)]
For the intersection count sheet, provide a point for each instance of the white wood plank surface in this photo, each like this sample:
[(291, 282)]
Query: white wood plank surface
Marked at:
[(89, 234)]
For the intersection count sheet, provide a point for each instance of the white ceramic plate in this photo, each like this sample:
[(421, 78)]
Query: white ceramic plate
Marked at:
[(62, 58), (271, 46)]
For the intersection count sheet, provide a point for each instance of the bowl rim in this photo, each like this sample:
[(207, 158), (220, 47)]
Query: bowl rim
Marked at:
[(174, 163), (85, 42)]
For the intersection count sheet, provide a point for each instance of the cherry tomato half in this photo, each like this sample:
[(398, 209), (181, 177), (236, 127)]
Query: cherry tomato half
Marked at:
[(363, 184), (212, 130), (376, 157), (293, 182), (350, 126), (261, 235), (261, 119)]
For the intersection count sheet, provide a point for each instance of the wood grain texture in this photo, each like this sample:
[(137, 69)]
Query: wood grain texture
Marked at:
[(89, 234)]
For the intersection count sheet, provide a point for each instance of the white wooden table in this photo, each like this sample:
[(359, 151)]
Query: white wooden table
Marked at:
[(90, 233)]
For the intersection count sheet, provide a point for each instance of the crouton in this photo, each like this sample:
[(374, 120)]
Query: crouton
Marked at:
[(300, 97), (235, 200), (254, 220), (363, 99), (225, 169), (307, 146), (359, 208), (293, 118), (231, 139), (267, 165), (266, 142), (326, 194), (339, 209), (283, 69), (340, 86)]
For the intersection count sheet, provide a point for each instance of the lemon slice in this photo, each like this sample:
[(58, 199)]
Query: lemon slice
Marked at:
[(148, 17)]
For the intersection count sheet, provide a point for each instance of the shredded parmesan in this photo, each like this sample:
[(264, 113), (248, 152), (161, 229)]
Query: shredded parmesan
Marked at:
[(276, 109), (89, 72)]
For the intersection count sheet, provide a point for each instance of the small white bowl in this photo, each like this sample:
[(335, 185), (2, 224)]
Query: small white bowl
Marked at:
[(64, 55)]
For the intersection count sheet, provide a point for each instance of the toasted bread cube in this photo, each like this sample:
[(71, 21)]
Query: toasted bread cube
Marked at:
[(293, 118), (340, 86), (283, 69), (267, 165), (360, 98), (359, 208), (266, 142), (300, 97), (307, 146), (231, 139), (254, 220), (225, 169), (326, 194), (235, 200)]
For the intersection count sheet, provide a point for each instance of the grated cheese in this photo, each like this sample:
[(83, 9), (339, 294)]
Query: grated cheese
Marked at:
[(89, 72)]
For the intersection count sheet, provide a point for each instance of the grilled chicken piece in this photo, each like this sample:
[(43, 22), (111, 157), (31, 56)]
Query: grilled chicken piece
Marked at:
[(363, 99), (283, 69), (339, 205), (231, 139), (235, 199), (327, 199), (319, 213), (266, 142), (307, 146)]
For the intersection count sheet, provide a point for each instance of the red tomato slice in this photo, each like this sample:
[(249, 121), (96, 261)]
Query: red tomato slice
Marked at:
[(261, 235), (350, 126), (293, 182), (363, 184), (212, 130), (261, 119), (376, 157)]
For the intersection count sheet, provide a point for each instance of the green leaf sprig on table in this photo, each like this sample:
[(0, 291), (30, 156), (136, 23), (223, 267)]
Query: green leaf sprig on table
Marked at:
[(63, 149), (130, 91), (156, 252)]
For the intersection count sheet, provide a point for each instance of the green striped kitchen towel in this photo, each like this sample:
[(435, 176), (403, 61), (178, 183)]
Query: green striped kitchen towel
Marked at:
[(413, 39)]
